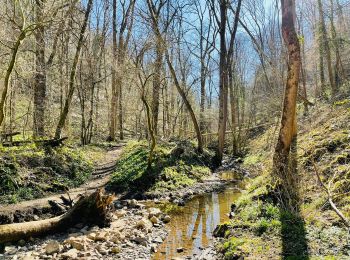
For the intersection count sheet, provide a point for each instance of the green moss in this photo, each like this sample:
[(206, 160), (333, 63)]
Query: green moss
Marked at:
[(252, 159), (342, 102), (28, 172), (169, 171), (231, 248)]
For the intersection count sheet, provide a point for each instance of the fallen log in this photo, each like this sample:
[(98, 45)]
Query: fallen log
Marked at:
[(46, 143), (89, 210), (7, 137)]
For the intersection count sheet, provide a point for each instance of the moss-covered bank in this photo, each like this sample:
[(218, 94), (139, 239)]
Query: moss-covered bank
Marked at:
[(175, 165), (261, 229), (29, 172)]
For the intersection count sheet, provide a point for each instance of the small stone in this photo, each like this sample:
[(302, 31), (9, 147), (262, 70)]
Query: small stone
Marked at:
[(144, 224), (101, 236), (115, 250), (158, 240), (118, 205), (28, 257), (10, 250), (181, 202), (133, 203), (77, 244), (92, 236), (179, 249), (141, 240), (35, 217), (166, 219), (70, 254), (154, 212), (154, 220), (94, 229), (22, 242), (52, 247), (102, 250), (154, 248), (121, 213)]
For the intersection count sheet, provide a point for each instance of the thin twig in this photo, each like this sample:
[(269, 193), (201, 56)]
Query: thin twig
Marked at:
[(329, 195)]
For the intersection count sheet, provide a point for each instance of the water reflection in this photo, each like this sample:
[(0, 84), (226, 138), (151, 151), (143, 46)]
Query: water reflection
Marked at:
[(191, 229)]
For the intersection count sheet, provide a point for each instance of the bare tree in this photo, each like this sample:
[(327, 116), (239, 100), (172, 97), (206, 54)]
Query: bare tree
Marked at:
[(71, 88), (288, 131)]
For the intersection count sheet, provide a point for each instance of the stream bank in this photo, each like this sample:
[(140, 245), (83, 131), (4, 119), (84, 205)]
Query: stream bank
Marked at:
[(136, 234)]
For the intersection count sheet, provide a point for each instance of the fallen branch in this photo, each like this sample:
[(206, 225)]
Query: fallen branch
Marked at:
[(329, 195), (89, 210), (47, 143)]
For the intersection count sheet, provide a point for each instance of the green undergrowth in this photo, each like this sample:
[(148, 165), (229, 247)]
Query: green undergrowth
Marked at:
[(175, 165), (262, 229), (28, 172)]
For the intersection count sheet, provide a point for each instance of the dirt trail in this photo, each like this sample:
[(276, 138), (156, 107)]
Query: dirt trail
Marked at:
[(99, 179)]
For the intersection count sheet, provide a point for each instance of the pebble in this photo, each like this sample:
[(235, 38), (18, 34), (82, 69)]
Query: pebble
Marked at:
[(154, 220), (158, 240), (52, 247), (70, 254), (22, 242), (166, 219)]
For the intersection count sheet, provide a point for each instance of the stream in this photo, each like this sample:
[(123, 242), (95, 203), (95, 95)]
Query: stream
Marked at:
[(191, 228)]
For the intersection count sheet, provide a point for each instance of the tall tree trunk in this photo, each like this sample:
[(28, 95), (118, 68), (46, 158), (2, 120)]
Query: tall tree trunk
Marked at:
[(223, 81), (71, 88), (327, 51), (187, 104), (288, 130), (9, 70), (302, 67), (40, 74), (114, 94), (157, 83), (203, 94), (338, 70)]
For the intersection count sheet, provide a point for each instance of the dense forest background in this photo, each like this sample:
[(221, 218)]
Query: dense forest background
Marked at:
[(95, 83)]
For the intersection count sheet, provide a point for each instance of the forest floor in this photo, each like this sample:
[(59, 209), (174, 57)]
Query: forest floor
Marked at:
[(262, 229)]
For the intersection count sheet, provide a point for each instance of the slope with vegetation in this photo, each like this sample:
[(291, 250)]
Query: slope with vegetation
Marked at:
[(175, 166), (31, 171), (263, 229)]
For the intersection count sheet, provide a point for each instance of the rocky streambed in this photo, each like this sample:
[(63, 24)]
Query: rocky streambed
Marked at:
[(140, 230), (135, 233)]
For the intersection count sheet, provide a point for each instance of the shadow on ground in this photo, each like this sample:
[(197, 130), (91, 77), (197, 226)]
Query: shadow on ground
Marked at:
[(293, 231)]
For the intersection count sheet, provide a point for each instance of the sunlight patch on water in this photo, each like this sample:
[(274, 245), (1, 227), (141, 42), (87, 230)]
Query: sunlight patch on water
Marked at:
[(192, 227)]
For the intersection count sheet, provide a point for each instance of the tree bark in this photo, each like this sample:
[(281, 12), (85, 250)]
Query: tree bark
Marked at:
[(40, 74), (288, 130), (71, 88), (114, 94), (157, 83), (223, 88), (9, 70), (338, 70), (187, 104), (326, 48)]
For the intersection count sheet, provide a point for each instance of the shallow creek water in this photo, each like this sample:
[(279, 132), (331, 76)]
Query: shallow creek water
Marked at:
[(192, 227)]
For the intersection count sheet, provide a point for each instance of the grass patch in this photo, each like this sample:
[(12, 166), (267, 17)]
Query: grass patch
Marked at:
[(29, 172), (175, 165)]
